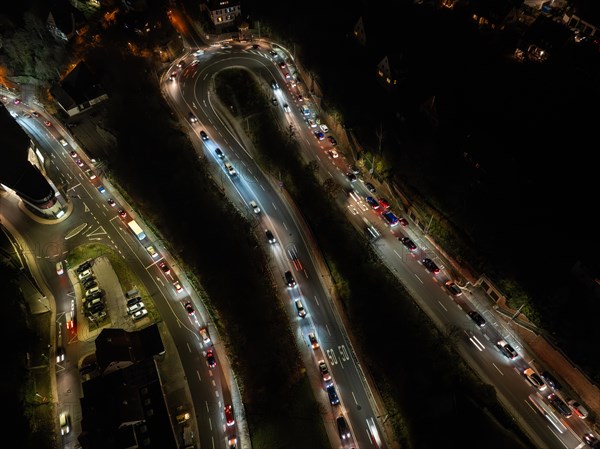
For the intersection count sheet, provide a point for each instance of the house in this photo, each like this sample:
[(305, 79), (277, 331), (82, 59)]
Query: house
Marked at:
[(391, 70), (123, 404), (222, 13), (544, 39), (64, 21), (359, 32), (79, 90), (494, 14)]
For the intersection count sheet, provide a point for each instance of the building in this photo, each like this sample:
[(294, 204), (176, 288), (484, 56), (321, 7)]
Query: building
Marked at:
[(222, 13), (123, 405), (79, 90), (22, 169)]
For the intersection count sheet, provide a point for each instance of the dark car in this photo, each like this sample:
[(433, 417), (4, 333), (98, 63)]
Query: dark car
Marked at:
[(372, 202), (478, 319), (270, 236), (210, 359), (164, 267), (133, 301), (351, 177), (192, 117), (430, 265), (370, 187), (560, 406), (95, 295), (332, 140), (189, 308), (84, 266), (506, 349), (219, 153), (591, 440), (90, 283), (203, 135), (343, 429), (333, 397), (408, 243), (453, 288), (551, 380), (289, 279)]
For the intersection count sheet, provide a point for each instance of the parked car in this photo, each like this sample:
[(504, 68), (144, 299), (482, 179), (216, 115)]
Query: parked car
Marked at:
[(534, 379), (477, 318), (453, 288), (506, 349)]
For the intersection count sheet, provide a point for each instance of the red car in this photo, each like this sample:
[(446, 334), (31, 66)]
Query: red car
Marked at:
[(229, 415), (384, 204), (47, 123), (122, 213), (403, 221)]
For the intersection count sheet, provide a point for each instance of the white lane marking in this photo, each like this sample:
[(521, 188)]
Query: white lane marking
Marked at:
[(442, 306)]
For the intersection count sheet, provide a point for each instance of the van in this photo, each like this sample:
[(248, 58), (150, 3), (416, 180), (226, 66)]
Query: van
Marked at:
[(300, 309), (132, 293)]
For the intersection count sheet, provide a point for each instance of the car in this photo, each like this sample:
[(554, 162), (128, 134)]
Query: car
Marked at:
[(172, 76), (274, 101), (300, 97), (430, 265), (406, 241), (354, 169), (84, 266), (390, 218), (84, 274), (204, 334), (506, 349), (210, 359), (319, 135), (65, 423), (101, 189), (534, 379), (219, 153), (232, 442), (18, 101), (192, 117), (79, 162), (287, 76), (551, 380), (578, 409), (372, 202), (90, 174), (273, 53), (384, 203), (343, 429), (453, 288), (122, 213), (282, 65), (274, 85), (332, 140), (255, 207), (351, 177), (47, 123), (94, 295), (324, 371), (138, 315), (370, 187), (324, 127), (90, 283), (229, 415), (477, 318), (403, 221), (180, 64), (313, 124), (300, 308), (289, 279), (312, 338), (189, 308), (73, 154), (305, 110), (230, 168), (591, 440), (270, 237), (152, 251), (135, 307), (60, 354), (133, 301), (111, 202), (333, 153), (333, 396), (59, 268), (559, 405), (178, 287), (286, 107), (164, 267), (63, 142), (203, 135)]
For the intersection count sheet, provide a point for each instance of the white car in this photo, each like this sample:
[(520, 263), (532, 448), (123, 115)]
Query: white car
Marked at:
[(286, 107), (135, 307), (334, 154), (139, 314), (230, 168), (65, 423), (311, 123), (152, 252), (324, 127), (204, 334), (63, 142), (59, 268), (254, 207), (84, 274)]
